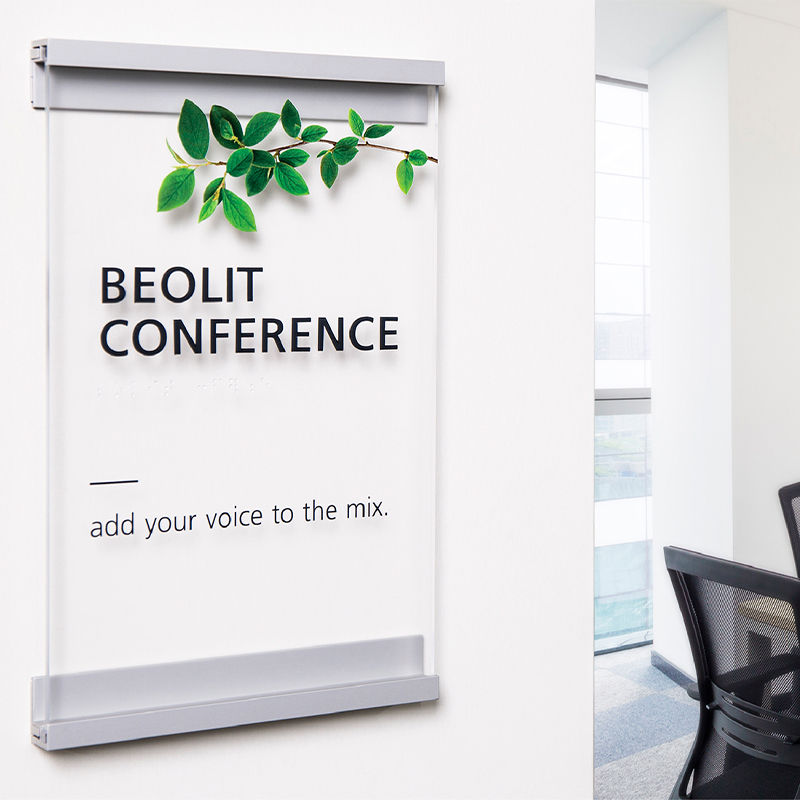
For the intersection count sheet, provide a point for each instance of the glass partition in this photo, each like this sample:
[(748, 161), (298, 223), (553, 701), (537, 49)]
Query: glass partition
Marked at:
[(241, 422), (623, 463)]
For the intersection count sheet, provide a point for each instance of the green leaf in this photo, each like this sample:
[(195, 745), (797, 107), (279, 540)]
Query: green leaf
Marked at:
[(211, 188), (226, 130), (259, 127), (290, 180), (239, 162), (376, 131), (263, 160), (217, 115), (344, 155), (405, 175), (237, 212), (328, 169), (290, 119), (313, 133), (356, 123), (322, 153), (256, 180), (209, 207), (348, 141), (175, 155), (418, 158), (294, 157), (193, 130), (176, 188)]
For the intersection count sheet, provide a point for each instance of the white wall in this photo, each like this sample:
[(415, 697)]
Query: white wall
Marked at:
[(690, 255), (765, 270), (725, 202), (515, 439)]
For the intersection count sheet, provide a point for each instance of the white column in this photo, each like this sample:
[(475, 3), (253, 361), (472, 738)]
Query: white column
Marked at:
[(765, 281), (725, 153), (690, 254)]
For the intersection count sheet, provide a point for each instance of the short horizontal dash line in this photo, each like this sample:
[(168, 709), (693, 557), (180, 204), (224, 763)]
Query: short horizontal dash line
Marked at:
[(108, 483)]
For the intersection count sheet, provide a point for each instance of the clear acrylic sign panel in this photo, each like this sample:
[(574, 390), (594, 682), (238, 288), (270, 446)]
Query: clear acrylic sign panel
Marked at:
[(248, 520)]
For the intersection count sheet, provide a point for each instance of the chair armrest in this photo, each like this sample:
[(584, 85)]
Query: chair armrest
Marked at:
[(743, 678)]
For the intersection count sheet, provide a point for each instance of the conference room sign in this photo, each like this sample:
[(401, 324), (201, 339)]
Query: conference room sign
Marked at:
[(241, 387)]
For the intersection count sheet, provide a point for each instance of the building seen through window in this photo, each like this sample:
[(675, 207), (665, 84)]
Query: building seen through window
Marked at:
[(623, 540)]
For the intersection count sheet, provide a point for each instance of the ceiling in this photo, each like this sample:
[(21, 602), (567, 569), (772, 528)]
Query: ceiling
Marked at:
[(634, 34)]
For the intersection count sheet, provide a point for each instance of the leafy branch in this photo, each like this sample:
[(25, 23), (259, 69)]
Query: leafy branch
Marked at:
[(260, 166)]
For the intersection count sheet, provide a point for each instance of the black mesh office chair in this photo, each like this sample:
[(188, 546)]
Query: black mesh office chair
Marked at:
[(742, 628), (790, 503)]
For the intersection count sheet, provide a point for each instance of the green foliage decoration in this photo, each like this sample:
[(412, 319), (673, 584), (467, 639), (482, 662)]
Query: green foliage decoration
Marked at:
[(259, 166)]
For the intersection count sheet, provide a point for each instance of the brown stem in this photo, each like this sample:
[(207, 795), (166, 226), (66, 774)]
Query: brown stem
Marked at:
[(300, 143), (394, 150), (360, 144)]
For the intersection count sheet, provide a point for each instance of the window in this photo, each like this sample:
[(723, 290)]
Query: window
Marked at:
[(623, 542)]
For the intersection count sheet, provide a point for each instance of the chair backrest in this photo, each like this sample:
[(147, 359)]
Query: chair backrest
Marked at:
[(735, 615), (742, 624), (790, 503)]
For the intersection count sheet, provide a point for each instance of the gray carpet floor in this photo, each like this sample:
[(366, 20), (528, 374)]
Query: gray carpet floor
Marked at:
[(644, 726)]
